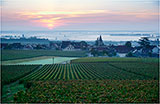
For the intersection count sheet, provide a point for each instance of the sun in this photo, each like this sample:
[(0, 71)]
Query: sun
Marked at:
[(50, 26)]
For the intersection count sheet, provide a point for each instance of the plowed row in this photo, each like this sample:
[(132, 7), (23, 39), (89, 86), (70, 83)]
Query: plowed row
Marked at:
[(82, 71)]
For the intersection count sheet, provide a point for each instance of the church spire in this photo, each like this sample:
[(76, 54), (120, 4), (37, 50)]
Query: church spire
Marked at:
[(100, 38), (99, 41)]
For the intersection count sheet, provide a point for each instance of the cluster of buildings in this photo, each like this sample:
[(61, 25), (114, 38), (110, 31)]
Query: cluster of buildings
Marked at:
[(24, 43), (99, 49), (69, 46), (152, 49), (44, 44)]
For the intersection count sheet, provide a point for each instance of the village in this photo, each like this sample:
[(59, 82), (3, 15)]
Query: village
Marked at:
[(145, 47)]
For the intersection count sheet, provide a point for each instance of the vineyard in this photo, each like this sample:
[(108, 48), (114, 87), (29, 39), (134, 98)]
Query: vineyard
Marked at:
[(86, 80), (90, 91), (144, 69), (115, 59), (11, 73), (88, 71)]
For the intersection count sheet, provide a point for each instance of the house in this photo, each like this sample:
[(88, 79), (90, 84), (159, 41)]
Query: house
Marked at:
[(65, 44), (100, 48), (76, 45), (89, 55), (70, 46), (122, 50), (155, 50), (16, 46), (54, 46), (102, 51), (4, 45), (152, 51), (28, 47)]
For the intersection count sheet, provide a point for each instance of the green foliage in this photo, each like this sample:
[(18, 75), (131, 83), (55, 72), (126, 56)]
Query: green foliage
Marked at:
[(8, 92), (105, 52), (96, 42), (28, 84), (101, 70), (11, 73), (130, 54), (113, 59), (83, 45), (144, 69), (128, 44), (21, 54), (144, 42), (94, 52), (88, 80), (90, 91)]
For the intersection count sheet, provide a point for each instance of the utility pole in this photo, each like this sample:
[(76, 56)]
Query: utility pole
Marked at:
[(53, 60)]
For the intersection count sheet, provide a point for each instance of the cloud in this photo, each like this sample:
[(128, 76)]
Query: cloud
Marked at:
[(82, 19), (53, 19)]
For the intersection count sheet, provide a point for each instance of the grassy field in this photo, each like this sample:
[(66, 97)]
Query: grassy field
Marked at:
[(91, 80), (22, 54)]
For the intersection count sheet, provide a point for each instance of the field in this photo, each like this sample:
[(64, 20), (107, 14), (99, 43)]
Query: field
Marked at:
[(39, 60), (92, 80), (115, 59), (21, 54), (11, 73), (91, 91), (89, 71), (144, 69)]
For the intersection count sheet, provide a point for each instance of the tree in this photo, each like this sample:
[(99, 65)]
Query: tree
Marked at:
[(105, 53), (83, 45), (145, 45), (94, 52), (144, 42), (96, 42), (130, 54), (128, 44)]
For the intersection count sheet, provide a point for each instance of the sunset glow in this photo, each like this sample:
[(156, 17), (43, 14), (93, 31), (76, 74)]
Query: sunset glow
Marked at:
[(95, 15), (54, 19)]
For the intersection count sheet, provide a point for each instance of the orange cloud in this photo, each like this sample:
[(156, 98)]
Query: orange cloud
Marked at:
[(51, 20), (50, 23)]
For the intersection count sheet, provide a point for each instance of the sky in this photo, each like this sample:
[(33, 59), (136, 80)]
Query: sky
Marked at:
[(103, 15)]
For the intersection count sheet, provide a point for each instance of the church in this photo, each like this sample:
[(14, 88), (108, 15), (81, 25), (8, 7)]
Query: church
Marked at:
[(99, 41)]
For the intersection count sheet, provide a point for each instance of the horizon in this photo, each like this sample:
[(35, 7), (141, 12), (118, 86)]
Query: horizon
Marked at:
[(81, 35)]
